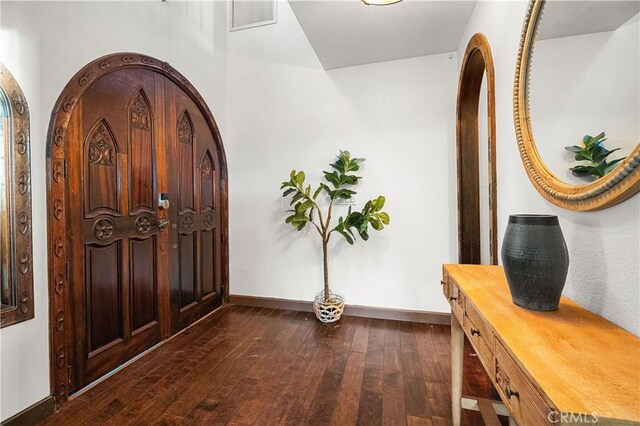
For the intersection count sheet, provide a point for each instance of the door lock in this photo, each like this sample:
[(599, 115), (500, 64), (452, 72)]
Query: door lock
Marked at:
[(163, 223), (163, 200)]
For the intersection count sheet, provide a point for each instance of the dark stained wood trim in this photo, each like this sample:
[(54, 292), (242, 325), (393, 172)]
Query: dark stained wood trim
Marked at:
[(18, 215), (349, 310), (427, 317), (60, 311), (477, 62), (272, 303), (35, 414)]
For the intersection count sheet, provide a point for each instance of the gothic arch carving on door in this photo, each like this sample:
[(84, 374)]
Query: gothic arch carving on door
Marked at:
[(103, 151), (476, 63)]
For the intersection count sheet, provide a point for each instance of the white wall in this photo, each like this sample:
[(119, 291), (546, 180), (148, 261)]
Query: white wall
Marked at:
[(604, 246), (43, 45), (287, 112)]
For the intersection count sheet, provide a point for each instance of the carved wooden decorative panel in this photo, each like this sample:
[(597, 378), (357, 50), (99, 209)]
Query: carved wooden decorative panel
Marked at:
[(207, 182), (185, 129), (16, 267), (101, 153), (141, 156), (126, 129), (185, 159)]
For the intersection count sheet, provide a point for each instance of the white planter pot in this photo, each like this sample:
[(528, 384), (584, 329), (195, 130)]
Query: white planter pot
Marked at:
[(330, 310)]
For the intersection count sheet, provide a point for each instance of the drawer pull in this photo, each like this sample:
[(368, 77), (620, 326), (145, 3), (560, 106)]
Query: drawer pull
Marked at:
[(475, 332), (510, 392), (441, 282), (453, 298)]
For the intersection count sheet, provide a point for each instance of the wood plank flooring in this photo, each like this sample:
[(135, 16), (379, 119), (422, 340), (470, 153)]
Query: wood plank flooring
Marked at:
[(259, 366)]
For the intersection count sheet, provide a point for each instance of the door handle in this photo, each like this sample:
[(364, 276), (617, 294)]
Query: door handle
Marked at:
[(163, 200), (163, 223)]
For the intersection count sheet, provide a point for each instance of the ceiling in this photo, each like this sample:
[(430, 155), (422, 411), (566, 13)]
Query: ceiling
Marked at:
[(346, 33), (570, 18)]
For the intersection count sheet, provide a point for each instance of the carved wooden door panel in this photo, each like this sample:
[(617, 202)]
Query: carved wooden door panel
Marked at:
[(137, 201), (116, 241), (140, 269), (194, 178)]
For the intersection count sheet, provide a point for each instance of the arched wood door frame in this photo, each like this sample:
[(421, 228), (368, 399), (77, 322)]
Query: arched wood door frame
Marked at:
[(58, 196), (477, 61)]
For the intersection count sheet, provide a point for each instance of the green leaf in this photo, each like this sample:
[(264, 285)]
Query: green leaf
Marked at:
[(346, 237), (384, 217), (344, 194), (332, 178), (296, 198), (612, 164), (582, 157), (351, 179), (306, 206), (581, 171), (300, 178), (317, 191), (601, 156)]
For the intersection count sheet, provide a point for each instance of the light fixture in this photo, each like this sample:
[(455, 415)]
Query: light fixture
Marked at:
[(380, 2)]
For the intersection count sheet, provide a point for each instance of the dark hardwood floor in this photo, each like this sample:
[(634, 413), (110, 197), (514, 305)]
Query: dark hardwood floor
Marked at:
[(255, 366)]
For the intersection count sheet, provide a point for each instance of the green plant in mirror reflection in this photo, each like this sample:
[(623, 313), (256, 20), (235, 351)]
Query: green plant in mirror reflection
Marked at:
[(595, 154)]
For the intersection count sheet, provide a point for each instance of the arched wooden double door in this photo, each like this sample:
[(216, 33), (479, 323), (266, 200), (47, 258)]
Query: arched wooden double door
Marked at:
[(146, 211)]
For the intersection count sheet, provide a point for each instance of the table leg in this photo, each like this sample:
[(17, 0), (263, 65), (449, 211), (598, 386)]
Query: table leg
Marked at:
[(457, 358)]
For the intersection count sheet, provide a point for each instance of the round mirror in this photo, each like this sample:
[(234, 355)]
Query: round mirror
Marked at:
[(577, 101)]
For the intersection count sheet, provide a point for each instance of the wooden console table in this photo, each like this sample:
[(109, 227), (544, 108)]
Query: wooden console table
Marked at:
[(570, 366)]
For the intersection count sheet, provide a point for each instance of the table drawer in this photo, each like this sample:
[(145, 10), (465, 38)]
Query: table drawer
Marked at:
[(446, 287), (523, 401), (480, 335), (457, 301)]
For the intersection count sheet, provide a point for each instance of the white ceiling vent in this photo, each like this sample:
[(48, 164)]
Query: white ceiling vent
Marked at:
[(252, 13)]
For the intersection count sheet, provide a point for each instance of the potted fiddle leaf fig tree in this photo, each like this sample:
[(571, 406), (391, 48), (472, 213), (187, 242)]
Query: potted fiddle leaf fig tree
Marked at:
[(306, 201)]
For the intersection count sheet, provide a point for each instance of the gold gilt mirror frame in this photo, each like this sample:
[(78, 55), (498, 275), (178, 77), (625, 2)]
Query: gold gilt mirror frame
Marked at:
[(618, 185), (15, 215)]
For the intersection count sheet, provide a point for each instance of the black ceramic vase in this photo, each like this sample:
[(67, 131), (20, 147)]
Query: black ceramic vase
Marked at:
[(535, 260)]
